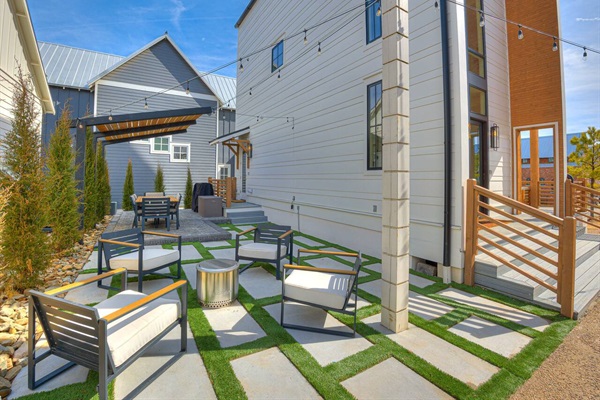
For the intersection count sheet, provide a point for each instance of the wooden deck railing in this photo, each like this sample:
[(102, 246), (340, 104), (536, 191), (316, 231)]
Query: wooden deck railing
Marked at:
[(561, 257), (546, 193), (224, 188), (582, 203)]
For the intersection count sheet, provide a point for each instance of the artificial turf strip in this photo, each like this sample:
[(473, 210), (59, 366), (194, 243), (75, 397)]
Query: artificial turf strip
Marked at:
[(77, 391)]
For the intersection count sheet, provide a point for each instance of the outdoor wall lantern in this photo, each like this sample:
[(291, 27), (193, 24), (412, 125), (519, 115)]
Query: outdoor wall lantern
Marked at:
[(495, 137)]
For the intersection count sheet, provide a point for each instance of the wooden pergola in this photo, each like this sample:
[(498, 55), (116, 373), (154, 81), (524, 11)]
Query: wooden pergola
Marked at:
[(237, 146)]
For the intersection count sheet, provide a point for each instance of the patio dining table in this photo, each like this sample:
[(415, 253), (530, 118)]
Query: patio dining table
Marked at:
[(174, 205), (174, 199)]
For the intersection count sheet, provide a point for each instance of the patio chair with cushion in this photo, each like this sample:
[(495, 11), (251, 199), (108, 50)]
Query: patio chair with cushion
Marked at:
[(106, 338), (272, 243), (156, 208), (325, 288), (137, 211), (125, 249)]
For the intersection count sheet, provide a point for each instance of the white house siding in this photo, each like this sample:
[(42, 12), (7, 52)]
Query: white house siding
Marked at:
[(322, 161)]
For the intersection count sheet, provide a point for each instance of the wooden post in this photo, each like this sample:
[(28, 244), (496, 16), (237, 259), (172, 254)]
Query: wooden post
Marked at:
[(228, 190), (567, 275), (534, 168), (569, 209), (471, 233)]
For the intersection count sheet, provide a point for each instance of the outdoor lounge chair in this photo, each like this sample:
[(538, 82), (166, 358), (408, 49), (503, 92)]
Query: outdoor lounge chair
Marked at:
[(108, 337), (325, 288), (272, 243), (156, 208), (125, 249)]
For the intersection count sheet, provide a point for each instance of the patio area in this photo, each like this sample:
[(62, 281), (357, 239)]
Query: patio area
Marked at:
[(463, 342)]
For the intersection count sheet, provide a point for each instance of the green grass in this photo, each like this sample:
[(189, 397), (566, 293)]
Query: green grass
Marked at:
[(326, 380)]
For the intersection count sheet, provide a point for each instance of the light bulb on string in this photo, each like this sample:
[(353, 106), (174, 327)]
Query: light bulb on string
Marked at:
[(481, 19), (187, 88), (110, 115), (305, 38), (250, 93), (554, 45), (520, 34), (436, 5), (378, 12), (278, 75), (584, 54), (319, 49), (145, 103), (241, 66)]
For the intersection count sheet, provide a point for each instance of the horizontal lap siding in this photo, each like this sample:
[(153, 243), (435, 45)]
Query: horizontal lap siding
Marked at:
[(81, 102)]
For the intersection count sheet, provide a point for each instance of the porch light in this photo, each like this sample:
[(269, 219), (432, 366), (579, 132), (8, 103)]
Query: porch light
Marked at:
[(495, 137)]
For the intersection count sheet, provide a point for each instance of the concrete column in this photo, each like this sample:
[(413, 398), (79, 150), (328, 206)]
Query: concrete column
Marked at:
[(395, 185)]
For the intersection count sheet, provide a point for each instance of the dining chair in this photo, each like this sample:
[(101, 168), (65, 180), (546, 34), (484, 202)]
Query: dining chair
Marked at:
[(174, 211), (156, 208), (154, 194)]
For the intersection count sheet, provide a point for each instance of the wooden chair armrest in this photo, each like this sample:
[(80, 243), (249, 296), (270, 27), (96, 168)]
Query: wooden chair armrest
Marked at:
[(246, 231), (314, 269), (283, 236), (84, 282), (333, 253), (134, 245), (171, 235), (141, 302)]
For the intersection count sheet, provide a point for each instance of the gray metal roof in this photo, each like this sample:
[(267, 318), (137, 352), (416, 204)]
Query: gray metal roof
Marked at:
[(72, 67), (224, 89)]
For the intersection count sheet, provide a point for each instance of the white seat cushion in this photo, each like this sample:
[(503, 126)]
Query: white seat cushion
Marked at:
[(321, 288), (131, 332), (265, 251), (153, 258)]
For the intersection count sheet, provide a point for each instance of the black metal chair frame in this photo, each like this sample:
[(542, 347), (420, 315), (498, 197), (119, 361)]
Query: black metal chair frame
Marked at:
[(63, 322), (136, 211), (174, 210), (348, 308), (271, 234), (156, 208), (114, 244)]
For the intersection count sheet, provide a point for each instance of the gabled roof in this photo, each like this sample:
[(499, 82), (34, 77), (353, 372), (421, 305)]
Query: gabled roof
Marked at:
[(546, 146), (246, 11), (72, 67), (224, 88)]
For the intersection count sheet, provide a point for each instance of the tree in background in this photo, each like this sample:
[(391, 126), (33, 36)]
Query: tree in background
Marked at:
[(61, 186), (187, 199), (586, 156), (159, 180), (25, 251), (90, 198), (102, 184), (128, 188)]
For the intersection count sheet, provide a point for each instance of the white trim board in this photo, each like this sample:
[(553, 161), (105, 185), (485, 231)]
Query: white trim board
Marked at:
[(154, 89)]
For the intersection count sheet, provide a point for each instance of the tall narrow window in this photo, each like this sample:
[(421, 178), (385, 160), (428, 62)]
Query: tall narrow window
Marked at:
[(277, 56), (373, 14), (475, 38), (374, 126)]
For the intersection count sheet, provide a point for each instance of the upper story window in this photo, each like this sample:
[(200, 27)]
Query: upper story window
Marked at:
[(277, 56), (475, 37), (373, 14), (180, 152), (160, 145), (374, 126)]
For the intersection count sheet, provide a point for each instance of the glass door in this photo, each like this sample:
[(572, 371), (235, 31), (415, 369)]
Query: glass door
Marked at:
[(477, 153)]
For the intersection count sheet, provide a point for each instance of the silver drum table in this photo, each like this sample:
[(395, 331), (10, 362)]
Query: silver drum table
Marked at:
[(217, 282)]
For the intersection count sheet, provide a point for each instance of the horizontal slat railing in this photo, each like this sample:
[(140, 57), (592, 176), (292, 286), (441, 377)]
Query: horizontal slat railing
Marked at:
[(583, 204), (225, 189), (552, 264)]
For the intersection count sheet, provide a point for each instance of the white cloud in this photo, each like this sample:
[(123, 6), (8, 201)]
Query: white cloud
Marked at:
[(176, 11), (582, 89)]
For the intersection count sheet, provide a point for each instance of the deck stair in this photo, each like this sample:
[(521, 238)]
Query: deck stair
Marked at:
[(494, 275), (245, 213)]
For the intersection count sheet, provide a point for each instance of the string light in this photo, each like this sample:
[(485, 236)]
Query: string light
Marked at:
[(481, 19), (110, 115), (279, 75), (250, 93), (378, 12), (241, 66), (584, 54), (145, 103), (319, 49), (305, 38), (187, 88), (520, 34), (554, 45), (436, 5)]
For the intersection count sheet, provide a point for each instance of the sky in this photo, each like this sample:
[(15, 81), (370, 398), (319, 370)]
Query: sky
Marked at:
[(204, 31)]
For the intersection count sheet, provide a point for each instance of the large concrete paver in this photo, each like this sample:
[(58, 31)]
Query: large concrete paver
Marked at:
[(89, 293), (501, 310), (233, 325), (269, 374), (228, 254), (189, 252), (392, 380), (92, 261), (372, 287), (426, 307), (419, 281), (325, 348), (190, 273), (452, 360), (491, 336), (306, 241), (218, 243), (259, 283), (373, 267)]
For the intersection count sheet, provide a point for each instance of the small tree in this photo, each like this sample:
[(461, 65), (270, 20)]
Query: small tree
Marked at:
[(586, 155), (90, 216), (159, 180), (128, 188), (187, 200), (61, 186), (102, 184), (25, 251)]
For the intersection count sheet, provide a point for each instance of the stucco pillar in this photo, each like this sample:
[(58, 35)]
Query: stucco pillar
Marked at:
[(395, 182)]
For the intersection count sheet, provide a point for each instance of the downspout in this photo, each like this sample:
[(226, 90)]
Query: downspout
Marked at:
[(446, 273)]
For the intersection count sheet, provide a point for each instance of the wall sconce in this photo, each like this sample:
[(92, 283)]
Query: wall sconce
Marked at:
[(495, 137)]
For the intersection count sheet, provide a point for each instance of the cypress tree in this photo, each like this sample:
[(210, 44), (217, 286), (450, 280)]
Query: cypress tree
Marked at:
[(90, 216), (25, 250), (159, 180), (128, 188), (102, 183), (61, 185), (187, 199)]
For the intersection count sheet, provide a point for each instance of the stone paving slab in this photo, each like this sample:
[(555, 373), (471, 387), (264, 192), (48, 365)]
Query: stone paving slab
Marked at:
[(373, 267), (189, 252), (181, 378), (190, 273), (391, 379), (228, 254), (307, 242), (219, 243), (426, 307), (501, 310), (76, 374), (155, 285), (494, 337), (233, 325), (243, 228), (89, 293), (92, 262), (269, 374), (372, 287), (419, 281), (259, 283), (453, 360), (323, 347)]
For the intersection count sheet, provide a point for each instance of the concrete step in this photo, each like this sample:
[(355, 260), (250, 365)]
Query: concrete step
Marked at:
[(249, 220), (253, 213), (509, 286)]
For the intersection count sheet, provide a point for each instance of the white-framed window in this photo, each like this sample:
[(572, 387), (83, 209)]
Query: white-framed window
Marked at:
[(223, 171), (160, 145), (180, 152)]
